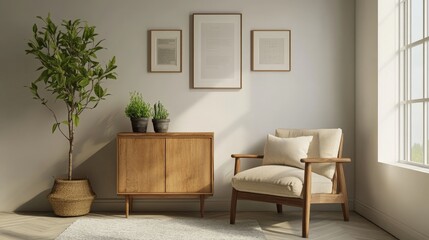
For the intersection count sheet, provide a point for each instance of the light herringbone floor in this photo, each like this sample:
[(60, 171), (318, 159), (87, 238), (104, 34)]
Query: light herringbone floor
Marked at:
[(324, 225)]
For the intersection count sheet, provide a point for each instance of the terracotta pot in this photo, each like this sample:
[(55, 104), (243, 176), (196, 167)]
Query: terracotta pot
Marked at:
[(71, 198)]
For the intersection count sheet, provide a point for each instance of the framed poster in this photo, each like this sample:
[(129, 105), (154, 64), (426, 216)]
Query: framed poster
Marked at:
[(216, 51), (271, 50), (165, 51)]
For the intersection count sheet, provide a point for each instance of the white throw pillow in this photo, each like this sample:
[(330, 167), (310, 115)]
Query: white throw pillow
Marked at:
[(286, 151)]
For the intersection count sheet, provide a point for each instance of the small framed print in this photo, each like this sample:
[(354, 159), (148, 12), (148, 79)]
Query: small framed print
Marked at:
[(165, 51), (216, 50), (271, 50)]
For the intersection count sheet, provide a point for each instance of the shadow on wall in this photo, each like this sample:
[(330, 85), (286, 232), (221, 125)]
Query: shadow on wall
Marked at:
[(36, 202), (100, 169)]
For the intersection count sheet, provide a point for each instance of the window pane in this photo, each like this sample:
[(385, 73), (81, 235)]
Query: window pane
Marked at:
[(427, 129), (417, 132), (402, 133), (417, 72), (416, 20), (402, 24)]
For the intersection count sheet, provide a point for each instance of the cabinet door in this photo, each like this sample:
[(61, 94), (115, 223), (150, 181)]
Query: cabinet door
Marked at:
[(141, 165), (189, 165)]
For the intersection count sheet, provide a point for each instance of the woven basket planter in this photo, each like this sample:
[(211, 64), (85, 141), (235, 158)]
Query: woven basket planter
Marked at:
[(71, 198)]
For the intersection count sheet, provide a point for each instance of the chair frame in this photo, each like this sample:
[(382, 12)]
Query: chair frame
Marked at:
[(338, 194)]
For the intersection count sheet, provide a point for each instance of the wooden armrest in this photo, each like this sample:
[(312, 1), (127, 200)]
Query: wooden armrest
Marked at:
[(239, 156), (326, 160), (246, 156)]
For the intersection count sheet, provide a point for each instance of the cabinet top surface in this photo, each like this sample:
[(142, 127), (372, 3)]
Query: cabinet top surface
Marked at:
[(153, 134)]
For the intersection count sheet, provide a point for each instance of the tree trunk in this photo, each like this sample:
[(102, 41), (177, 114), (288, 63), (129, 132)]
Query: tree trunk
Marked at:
[(71, 138), (70, 157)]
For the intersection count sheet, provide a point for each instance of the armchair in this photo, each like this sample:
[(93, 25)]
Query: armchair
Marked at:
[(295, 177)]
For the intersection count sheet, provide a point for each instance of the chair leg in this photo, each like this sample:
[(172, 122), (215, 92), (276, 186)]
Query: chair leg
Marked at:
[(307, 201), (305, 220), (345, 207), (343, 191), (279, 208), (233, 209)]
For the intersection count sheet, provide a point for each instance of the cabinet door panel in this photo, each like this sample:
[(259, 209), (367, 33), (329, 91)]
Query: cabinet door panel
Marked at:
[(141, 165), (188, 165)]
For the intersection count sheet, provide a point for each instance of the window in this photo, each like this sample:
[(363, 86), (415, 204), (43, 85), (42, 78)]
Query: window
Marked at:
[(414, 82)]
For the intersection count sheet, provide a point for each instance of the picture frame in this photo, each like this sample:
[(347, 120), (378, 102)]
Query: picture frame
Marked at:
[(216, 51), (165, 51), (271, 50)]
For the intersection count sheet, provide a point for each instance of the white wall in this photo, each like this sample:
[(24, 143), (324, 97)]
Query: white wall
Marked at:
[(317, 93), (393, 197)]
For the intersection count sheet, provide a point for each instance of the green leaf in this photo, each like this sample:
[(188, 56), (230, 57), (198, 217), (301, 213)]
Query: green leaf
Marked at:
[(31, 45), (54, 127), (33, 89), (34, 28), (78, 106), (33, 86), (75, 120), (112, 62), (43, 76), (111, 76), (98, 90), (84, 82)]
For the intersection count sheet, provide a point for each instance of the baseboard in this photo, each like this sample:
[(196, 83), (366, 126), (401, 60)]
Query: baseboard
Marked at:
[(397, 228), (211, 204)]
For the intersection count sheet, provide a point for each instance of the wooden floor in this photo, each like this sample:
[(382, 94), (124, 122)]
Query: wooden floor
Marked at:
[(323, 225)]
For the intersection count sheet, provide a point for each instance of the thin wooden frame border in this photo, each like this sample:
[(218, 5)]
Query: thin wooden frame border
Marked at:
[(193, 50), (252, 42), (180, 49)]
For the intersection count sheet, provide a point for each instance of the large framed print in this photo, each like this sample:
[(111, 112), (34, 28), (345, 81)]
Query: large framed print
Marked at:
[(271, 50), (165, 51), (216, 50)]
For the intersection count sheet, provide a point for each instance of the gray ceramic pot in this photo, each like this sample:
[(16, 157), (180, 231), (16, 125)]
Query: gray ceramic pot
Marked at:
[(139, 124), (160, 125)]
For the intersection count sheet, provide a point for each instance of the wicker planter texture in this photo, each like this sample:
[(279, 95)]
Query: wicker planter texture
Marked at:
[(71, 197)]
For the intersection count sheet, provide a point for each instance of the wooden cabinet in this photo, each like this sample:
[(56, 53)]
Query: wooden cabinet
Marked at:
[(165, 165)]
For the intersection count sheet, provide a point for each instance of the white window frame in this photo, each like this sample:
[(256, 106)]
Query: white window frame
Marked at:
[(405, 48)]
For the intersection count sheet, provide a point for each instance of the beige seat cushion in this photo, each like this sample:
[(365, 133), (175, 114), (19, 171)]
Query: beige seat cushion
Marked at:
[(279, 180), (325, 144)]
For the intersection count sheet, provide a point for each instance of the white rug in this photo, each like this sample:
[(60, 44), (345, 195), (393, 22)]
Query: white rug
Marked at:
[(173, 228)]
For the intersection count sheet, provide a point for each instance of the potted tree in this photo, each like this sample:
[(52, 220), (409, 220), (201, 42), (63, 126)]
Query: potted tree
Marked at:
[(160, 118), (138, 111), (70, 73)]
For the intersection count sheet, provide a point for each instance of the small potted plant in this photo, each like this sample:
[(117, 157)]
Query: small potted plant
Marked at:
[(160, 118), (138, 111)]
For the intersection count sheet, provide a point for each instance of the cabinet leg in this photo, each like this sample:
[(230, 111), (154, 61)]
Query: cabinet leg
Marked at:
[(127, 205), (279, 208), (202, 198)]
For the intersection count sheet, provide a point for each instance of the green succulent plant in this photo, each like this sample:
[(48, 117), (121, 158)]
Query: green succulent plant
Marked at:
[(159, 111), (137, 107)]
